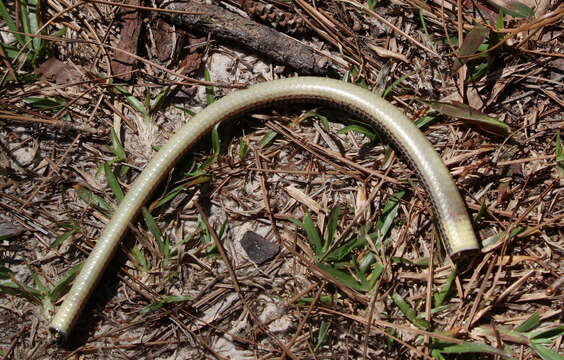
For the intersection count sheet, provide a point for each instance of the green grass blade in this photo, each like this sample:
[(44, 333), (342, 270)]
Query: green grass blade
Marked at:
[(500, 20), (10, 23), (11, 51), (38, 283), (113, 182), (559, 152), (186, 111), (442, 294), (322, 334), (385, 225), (331, 227), (61, 238), (178, 189), (25, 292), (210, 97), (324, 120), (92, 199), (312, 234), (362, 277), (365, 263), (140, 258), (267, 138), (436, 354), (471, 347), (391, 87), (153, 228), (546, 353), (376, 273), (393, 201), (63, 284), (409, 313), (166, 250), (322, 298), (148, 98), (222, 229), (243, 149), (478, 71), (25, 19), (422, 122), (34, 25), (434, 311), (344, 250), (117, 148), (168, 196), (495, 238), (44, 103), (133, 101), (480, 212), (216, 142), (545, 335), (358, 129), (532, 322), (59, 33), (470, 115), (424, 26), (159, 99), (207, 236), (341, 277), (5, 273)]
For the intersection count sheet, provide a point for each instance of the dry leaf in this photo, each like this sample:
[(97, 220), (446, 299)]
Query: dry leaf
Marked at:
[(304, 199), (55, 71), (472, 116), (471, 42)]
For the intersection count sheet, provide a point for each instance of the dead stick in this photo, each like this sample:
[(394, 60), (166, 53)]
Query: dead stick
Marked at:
[(257, 37)]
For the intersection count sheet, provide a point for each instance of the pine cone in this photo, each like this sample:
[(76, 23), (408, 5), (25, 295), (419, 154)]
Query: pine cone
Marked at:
[(277, 18)]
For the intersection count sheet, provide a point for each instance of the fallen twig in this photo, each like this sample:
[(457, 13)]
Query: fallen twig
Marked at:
[(252, 35)]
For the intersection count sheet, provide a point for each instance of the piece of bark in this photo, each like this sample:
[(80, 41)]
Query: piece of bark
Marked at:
[(172, 44), (163, 37), (193, 56), (251, 35), (122, 63)]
